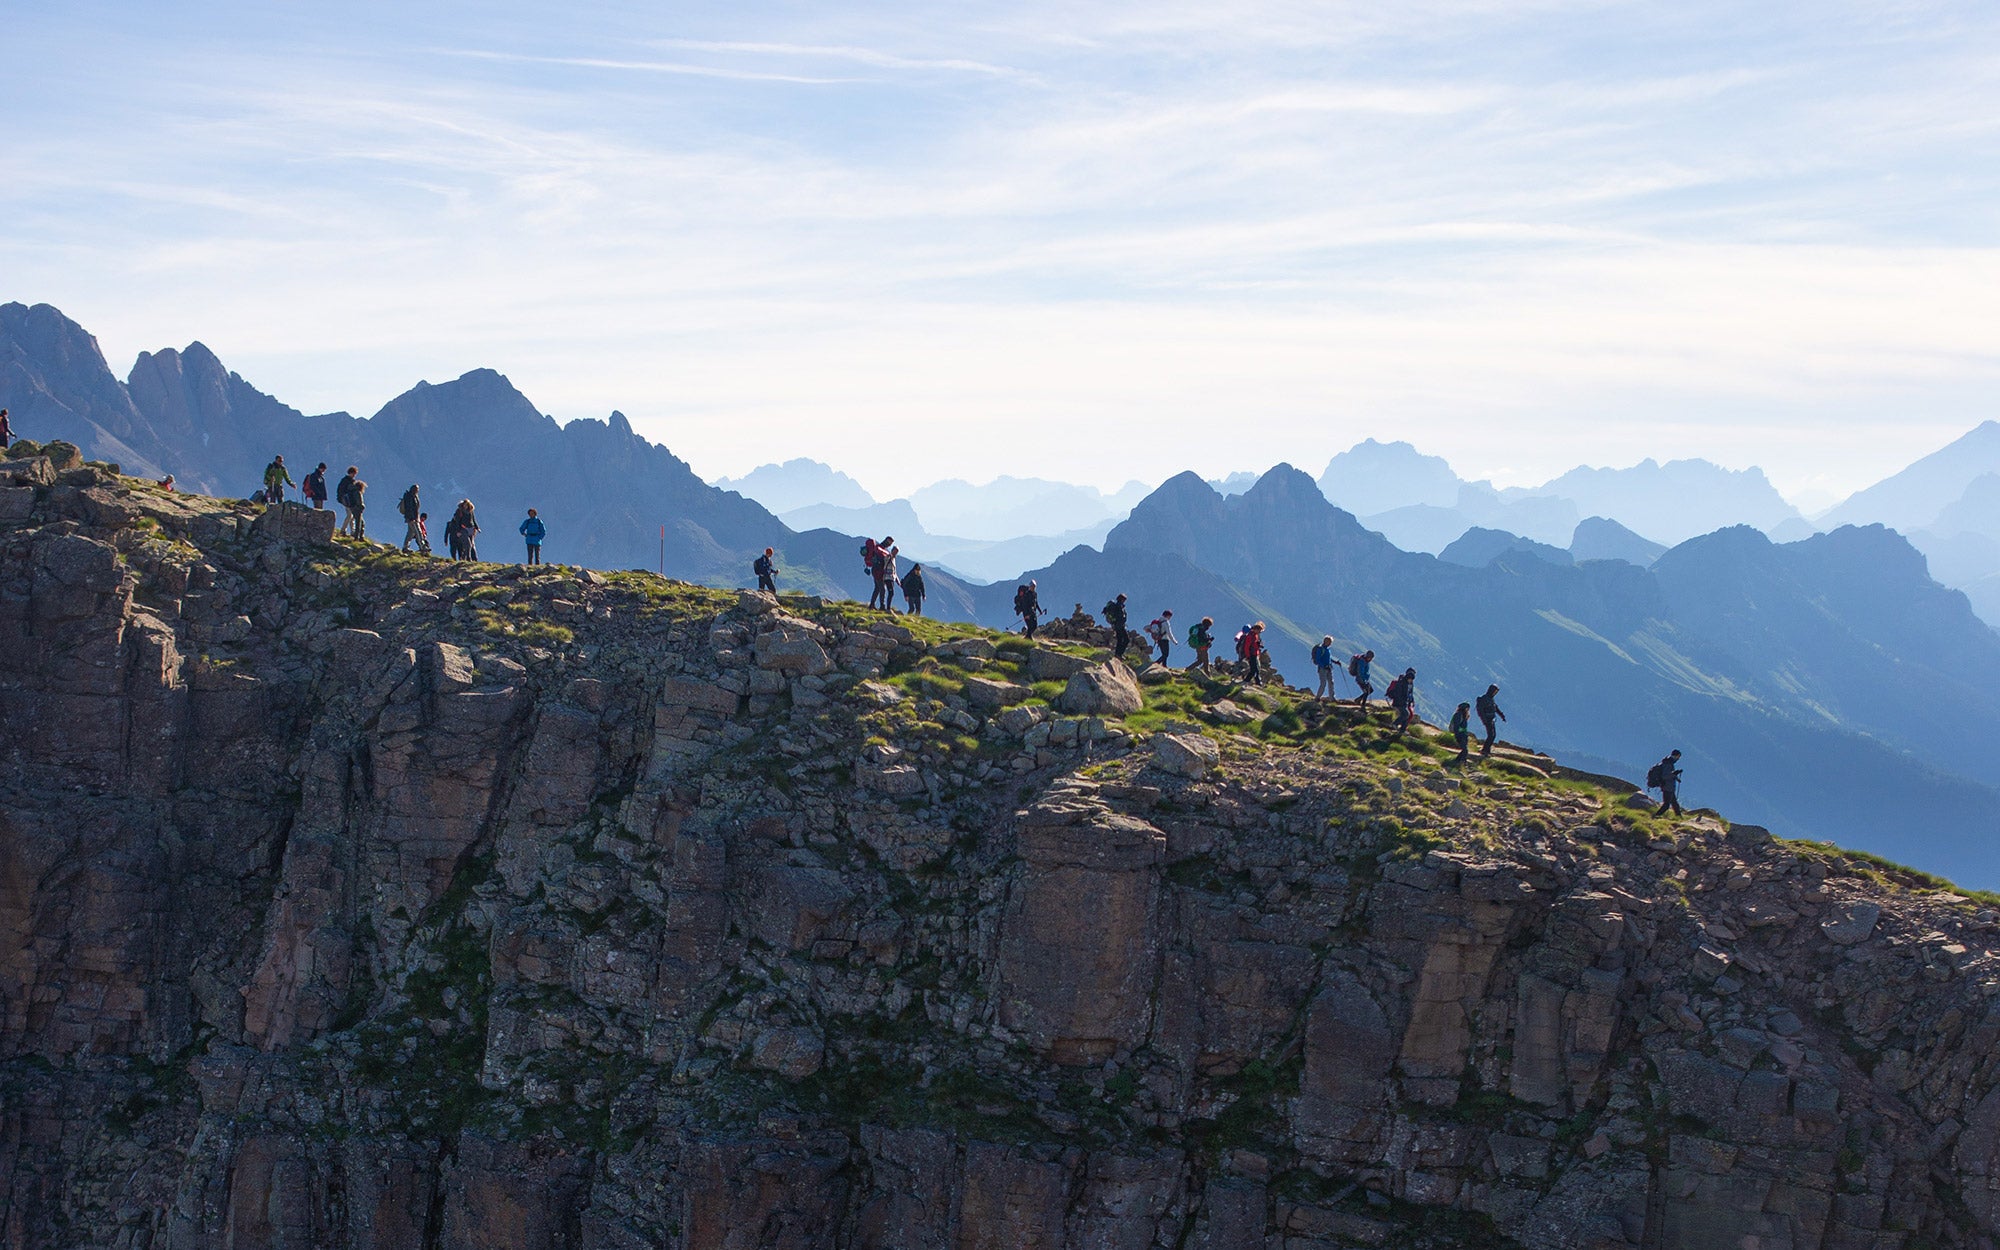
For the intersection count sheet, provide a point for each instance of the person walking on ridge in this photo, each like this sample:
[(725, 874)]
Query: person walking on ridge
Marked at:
[(6, 430), (1114, 615), (1323, 662), (1252, 649), (314, 488), (1357, 668), (461, 530), (1665, 777), (411, 508), (343, 494), (766, 570), (913, 590), (1488, 708), (1403, 698), (423, 533), (889, 582), (1461, 730), (276, 478), (534, 531), (1161, 631), (1028, 606), (1201, 638), (357, 503)]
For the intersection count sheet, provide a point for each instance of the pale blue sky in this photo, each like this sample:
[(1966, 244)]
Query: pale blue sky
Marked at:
[(927, 241)]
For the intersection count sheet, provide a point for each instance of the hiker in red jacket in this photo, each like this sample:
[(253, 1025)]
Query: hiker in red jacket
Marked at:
[(1251, 648)]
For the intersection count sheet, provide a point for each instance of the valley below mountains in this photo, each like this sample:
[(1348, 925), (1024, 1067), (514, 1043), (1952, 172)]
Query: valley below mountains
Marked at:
[(361, 901)]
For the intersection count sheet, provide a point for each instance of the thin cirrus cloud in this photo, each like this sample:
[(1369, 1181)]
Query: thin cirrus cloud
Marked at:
[(1519, 235)]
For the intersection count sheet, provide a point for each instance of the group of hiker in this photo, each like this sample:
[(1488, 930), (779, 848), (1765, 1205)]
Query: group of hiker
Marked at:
[(878, 558), (461, 532)]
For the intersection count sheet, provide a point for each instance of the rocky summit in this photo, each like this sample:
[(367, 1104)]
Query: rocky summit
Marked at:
[(349, 899)]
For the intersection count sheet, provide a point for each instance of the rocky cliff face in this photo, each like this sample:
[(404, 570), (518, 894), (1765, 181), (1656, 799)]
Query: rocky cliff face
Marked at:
[(358, 901)]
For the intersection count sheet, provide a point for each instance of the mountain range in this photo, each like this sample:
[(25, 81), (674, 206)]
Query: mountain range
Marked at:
[(1825, 687)]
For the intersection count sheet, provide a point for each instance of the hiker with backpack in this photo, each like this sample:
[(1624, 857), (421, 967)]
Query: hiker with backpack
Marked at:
[(1028, 606), (343, 494), (534, 531), (357, 503), (411, 508), (1488, 708), (1249, 649), (1461, 731), (1115, 615), (1161, 631), (314, 487), (1665, 777), (6, 430), (766, 569), (871, 560), (423, 533), (276, 478), (1357, 668), (1402, 694), (889, 581), (461, 530), (1201, 638), (1323, 661), (913, 590)]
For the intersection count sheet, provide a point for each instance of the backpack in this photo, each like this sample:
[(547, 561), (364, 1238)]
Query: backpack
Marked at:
[(1111, 610), (409, 504), (1155, 629), (871, 556), (1199, 638), (1322, 656), (1354, 667), (762, 566), (343, 494), (1242, 644), (1399, 690), (1656, 776), (1022, 598)]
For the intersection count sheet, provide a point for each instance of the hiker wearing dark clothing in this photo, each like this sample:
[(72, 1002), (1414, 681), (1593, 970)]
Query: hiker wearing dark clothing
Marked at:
[(411, 508), (1488, 707), (1461, 730), (1201, 638), (423, 533), (1402, 694), (1028, 606), (460, 532), (357, 503), (343, 494), (913, 590), (1323, 662), (766, 570), (1161, 631), (276, 478), (1357, 668), (1665, 777), (6, 430), (1250, 648), (1114, 615), (534, 531), (314, 487)]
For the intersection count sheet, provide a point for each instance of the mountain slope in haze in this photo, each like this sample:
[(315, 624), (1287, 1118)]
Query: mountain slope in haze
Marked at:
[(1675, 501), (1827, 684), (1008, 507), (1477, 548), (1911, 498), (798, 483), (603, 490), (1601, 538)]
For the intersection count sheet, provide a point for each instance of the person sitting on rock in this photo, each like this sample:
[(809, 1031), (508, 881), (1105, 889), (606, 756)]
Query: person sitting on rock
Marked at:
[(913, 590), (1028, 606)]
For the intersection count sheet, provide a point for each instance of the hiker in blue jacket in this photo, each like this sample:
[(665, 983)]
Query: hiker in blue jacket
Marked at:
[(1357, 668), (1323, 661), (533, 530)]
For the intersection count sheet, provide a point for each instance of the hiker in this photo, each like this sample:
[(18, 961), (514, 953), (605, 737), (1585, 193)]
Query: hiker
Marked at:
[(766, 571), (1461, 730), (1323, 661), (460, 532), (1201, 638), (343, 494), (1488, 708), (1402, 694), (1161, 631), (1114, 615), (276, 478), (314, 488), (1665, 777), (167, 482), (6, 430), (889, 578), (356, 505), (913, 590), (423, 533), (411, 507), (1028, 606), (1250, 646), (1357, 668), (534, 531)]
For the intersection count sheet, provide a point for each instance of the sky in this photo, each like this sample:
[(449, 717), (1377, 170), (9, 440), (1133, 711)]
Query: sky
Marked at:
[(1094, 243)]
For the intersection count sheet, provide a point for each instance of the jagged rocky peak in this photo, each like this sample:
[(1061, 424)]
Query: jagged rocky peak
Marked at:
[(357, 900)]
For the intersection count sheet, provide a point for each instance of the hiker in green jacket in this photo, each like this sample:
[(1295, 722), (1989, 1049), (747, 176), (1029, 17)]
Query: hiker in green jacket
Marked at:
[(276, 478), (1461, 730)]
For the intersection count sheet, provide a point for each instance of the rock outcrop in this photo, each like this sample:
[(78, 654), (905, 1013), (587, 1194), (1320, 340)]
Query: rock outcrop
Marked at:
[(354, 900)]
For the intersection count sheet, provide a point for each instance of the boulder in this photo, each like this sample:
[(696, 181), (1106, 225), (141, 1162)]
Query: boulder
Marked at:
[(1047, 664), (1107, 688), (989, 695), (1186, 755), (1848, 923), (793, 1053)]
